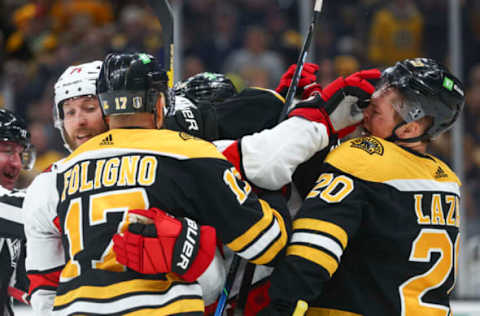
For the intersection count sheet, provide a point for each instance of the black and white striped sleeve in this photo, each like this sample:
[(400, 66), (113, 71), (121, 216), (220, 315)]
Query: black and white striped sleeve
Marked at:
[(11, 216)]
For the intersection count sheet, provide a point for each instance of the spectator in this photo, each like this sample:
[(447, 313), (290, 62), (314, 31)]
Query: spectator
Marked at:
[(256, 54), (396, 33)]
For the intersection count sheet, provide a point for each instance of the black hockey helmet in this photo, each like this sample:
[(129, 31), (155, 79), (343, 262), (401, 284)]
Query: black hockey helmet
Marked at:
[(13, 129), (428, 89), (206, 86), (130, 83)]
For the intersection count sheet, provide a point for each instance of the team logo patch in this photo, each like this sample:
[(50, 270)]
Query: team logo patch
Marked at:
[(368, 144)]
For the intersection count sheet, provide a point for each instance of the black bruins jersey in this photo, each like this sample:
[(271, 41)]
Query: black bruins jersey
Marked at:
[(136, 169), (377, 235)]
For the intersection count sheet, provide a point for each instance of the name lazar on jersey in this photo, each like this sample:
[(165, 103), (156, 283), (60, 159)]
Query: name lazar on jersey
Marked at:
[(438, 214), (133, 170)]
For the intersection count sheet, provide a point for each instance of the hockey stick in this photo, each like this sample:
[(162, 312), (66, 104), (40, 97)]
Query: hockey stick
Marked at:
[(163, 12), (222, 302), (244, 288), (301, 61), (19, 295)]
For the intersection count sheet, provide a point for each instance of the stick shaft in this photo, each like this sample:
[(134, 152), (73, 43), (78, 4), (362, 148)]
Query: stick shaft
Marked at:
[(292, 89), (222, 302), (163, 12)]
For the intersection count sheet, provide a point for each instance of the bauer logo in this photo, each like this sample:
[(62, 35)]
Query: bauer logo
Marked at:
[(368, 144), (189, 240)]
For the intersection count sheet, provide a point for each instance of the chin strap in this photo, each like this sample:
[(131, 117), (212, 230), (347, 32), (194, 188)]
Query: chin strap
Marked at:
[(393, 137)]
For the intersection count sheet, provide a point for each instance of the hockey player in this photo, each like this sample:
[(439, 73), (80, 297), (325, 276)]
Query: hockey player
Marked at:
[(134, 167), (302, 137), (77, 114), (15, 153), (378, 233), (269, 158)]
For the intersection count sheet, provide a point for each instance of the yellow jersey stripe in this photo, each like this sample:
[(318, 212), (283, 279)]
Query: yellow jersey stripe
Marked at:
[(256, 229), (314, 255), (324, 227), (182, 306), (117, 289), (279, 244), (372, 153), (275, 93), (163, 142)]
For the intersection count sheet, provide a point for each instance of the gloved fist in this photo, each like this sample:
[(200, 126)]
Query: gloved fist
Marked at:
[(158, 243), (308, 76), (197, 120), (341, 102)]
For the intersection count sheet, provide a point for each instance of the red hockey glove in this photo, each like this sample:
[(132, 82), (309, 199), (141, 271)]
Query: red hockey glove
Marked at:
[(340, 105), (307, 77), (161, 243)]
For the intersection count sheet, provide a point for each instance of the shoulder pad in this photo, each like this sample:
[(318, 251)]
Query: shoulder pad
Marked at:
[(163, 142), (374, 159)]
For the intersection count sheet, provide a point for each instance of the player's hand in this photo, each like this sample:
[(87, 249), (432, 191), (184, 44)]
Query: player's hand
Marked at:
[(158, 243), (308, 76), (197, 120), (340, 104)]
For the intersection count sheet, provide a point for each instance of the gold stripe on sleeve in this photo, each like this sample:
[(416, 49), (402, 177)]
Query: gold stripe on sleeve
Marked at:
[(324, 227), (314, 255), (279, 244), (244, 239), (181, 306)]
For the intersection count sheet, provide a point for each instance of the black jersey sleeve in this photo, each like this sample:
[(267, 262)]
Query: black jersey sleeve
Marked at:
[(11, 218), (330, 216), (255, 229)]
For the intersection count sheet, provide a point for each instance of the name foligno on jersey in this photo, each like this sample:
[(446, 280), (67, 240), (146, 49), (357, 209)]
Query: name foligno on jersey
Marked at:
[(131, 170)]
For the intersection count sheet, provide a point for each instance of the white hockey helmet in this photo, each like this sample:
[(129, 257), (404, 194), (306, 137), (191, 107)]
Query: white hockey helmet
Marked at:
[(76, 81)]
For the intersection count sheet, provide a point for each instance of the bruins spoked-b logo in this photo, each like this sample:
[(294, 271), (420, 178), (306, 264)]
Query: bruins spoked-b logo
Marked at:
[(368, 144)]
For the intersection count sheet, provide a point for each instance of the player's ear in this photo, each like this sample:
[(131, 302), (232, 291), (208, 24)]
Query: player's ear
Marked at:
[(159, 110), (410, 130)]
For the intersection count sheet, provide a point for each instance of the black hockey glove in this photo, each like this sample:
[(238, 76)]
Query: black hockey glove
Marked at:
[(199, 121)]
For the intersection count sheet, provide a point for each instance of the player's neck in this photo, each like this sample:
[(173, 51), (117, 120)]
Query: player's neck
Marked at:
[(420, 147), (139, 120)]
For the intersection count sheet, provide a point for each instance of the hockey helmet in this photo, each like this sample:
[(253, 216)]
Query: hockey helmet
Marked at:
[(131, 83), (76, 81), (206, 86), (13, 129), (428, 89)]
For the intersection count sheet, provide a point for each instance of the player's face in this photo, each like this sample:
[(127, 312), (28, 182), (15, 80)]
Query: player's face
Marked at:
[(82, 120), (10, 163), (380, 117)]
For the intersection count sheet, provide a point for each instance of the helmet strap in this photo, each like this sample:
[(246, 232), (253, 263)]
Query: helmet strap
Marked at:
[(393, 138)]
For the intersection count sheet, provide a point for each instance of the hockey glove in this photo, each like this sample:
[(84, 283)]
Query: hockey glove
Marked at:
[(308, 76), (158, 243), (341, 102), (199, 121)]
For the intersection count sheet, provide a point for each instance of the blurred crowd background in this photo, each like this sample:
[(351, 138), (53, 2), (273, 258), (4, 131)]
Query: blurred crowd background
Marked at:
[(253, 41)]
